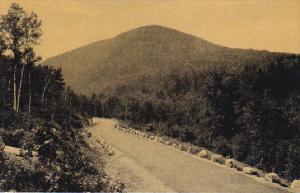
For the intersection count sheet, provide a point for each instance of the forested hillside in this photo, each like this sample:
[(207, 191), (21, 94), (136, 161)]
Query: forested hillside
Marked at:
[(144, 51), (38, 114), (240, 103)]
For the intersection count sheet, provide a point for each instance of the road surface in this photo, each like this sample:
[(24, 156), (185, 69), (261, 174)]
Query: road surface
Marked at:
[(175, 170)]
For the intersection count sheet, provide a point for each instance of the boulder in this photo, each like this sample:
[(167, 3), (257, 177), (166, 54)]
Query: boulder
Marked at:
[(240, 166), (283, 182), (12, 150), (168, 142), (174, 145), (250, 171), (231, 163), (295, 186), (111, 152), (161, 140), (272, 177), (203, 154), (182, 147), (152, 137), (193, 150), (218, 158)]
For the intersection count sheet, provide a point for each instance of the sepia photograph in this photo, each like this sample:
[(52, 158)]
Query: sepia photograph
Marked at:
[(150, 96)]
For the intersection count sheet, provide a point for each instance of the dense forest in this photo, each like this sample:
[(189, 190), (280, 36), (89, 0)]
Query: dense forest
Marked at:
[(37, 113), (249, 112)]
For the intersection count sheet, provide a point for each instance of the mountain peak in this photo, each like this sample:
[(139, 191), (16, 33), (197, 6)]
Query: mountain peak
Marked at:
[(158, 33), (142, 51)]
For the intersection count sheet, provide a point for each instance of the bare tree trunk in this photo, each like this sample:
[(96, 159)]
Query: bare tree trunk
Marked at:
[(126, 110), (20, 87), (15, 88), (44, 90), (29, 98)]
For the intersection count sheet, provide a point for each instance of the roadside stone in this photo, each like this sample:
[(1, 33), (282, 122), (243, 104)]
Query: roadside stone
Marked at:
[(218, 158), (161, 140), (203, 154), (168, 142), (283, 182), (295, 186), (182, 147), (231, 163), (193, 150), (250, 170), (175, 145), (111, 152)]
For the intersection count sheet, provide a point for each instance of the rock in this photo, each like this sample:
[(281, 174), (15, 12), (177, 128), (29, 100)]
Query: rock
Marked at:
[(193, 150), (283, 182), (240, 166), (182, 147), (12, 150), (260, 173), (203, 154), (218, 158), (152, 137), (168, 142), (175, 145), (295, 186), (231, 163), (250, 170), (272, 177), (111, 152), (161, 140)]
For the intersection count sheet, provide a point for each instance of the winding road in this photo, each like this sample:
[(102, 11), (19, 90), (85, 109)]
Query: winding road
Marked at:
[(176, 170)]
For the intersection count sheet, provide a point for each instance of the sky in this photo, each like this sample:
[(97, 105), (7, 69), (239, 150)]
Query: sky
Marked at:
[(264, 25)]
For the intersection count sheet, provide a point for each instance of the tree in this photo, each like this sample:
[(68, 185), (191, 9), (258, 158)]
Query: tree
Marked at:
[(19, 33)]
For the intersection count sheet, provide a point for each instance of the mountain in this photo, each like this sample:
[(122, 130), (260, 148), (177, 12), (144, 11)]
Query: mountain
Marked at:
[(144, 51)]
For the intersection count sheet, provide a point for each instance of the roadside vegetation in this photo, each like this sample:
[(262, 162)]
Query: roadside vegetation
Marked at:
[(39, 114)]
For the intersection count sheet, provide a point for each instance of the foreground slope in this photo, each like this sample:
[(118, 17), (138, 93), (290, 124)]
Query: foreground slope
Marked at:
[(143, 51), (174, 169)]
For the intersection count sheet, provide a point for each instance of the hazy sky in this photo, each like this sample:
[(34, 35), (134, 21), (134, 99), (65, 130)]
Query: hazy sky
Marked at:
[(67, 24)]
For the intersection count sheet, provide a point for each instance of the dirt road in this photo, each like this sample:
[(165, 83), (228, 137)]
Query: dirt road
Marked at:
[(156, 167)]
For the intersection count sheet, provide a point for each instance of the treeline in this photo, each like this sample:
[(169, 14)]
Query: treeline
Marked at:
[(37, 114), (250, 113)]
